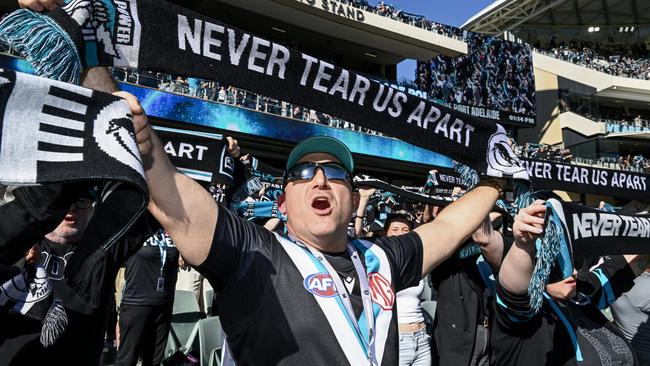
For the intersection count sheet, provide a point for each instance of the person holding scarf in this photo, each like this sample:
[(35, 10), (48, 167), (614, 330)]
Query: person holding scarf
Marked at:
[(281, 299), (569, 329)]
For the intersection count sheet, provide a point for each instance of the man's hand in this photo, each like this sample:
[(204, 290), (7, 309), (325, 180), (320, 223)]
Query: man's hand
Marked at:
[(233, 147), (141, 126), (40, 5), (517, 267), (366, 192), (33, 255), (529, 224)]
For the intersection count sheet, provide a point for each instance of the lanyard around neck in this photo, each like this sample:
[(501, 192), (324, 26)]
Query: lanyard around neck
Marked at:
[(161, 242), (345, 297)]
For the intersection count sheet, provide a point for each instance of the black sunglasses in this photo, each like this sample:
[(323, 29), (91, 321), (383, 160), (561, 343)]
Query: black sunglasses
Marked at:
[(82, 203), (307, 171)]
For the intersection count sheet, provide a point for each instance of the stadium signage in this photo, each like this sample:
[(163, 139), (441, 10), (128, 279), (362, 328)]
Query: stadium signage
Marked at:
[(203, 156), (493, 114), (573, 178), (338, 8)]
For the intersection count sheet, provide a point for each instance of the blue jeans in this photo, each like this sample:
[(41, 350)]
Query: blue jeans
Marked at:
[(415, 348)]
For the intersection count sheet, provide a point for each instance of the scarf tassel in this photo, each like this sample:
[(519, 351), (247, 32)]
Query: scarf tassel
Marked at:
[(43, 43), (54, 324), (468, 176), (524, 196), (549, 248)]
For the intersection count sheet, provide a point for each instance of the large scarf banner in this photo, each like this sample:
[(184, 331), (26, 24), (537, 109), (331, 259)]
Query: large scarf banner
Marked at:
[(573, 231), (546, 174), (592, 232), (200, 155), (159, 36)]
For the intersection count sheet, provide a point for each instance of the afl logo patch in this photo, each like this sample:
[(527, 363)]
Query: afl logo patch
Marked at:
[(320, 284), (381, 291)]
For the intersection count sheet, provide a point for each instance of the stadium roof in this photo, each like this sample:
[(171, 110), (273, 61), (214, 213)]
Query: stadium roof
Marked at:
[(505, 15)]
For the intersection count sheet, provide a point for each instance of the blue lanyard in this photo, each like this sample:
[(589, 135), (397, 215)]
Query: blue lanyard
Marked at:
[(568, 326), (160, 239)]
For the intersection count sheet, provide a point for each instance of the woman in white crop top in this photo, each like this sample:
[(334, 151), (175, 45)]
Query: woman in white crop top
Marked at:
[(414, 342)]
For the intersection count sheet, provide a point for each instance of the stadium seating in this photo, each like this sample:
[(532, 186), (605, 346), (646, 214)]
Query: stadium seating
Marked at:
[(210, 341), (184, 323)]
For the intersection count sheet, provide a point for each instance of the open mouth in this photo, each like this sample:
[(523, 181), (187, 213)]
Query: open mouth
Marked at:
[(570, 281), (70, 219), (321, 205)]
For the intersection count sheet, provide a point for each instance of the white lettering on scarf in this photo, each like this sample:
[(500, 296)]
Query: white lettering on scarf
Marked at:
[(202, 40)]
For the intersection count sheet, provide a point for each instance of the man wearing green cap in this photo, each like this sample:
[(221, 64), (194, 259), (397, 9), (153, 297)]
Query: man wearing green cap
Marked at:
[(311, 296)]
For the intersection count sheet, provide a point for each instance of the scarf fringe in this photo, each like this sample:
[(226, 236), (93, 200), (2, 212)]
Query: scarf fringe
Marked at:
[(468, 176), (44, 44), (54, 324), (548, 250), (524, 196)]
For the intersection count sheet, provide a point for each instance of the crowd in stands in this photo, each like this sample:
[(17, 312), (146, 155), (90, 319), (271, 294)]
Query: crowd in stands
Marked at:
[(228, 94), (617, 119), (620, 60), (390, 11), (637, 163), (543, 152), (494, 74)]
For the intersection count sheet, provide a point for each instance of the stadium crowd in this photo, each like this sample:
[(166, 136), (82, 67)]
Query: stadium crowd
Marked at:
[(388, 10), (543, 152), (310, 263), (630, 61)]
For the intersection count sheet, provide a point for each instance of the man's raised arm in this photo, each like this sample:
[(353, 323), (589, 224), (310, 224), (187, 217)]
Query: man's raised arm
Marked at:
[(186, 210), (454, 224)]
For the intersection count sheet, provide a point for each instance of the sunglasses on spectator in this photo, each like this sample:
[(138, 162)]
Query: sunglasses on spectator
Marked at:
[(82, 203), (307, 171)]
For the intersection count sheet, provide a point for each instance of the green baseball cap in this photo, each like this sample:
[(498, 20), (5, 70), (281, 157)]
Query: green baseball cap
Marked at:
[(322, 144)]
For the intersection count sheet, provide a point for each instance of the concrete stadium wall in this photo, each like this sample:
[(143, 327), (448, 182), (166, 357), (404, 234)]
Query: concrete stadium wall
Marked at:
[(615, 86), (547, 130), (582, 125)]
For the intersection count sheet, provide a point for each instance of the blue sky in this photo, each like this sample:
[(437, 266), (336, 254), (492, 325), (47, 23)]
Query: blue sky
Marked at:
[(451, 12)]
